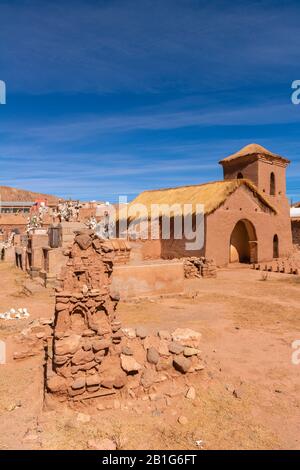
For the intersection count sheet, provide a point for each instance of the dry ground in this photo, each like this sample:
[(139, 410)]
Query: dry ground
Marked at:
[(248, 326)]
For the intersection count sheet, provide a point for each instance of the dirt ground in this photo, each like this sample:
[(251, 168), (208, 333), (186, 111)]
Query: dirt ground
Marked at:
[(247, 397)]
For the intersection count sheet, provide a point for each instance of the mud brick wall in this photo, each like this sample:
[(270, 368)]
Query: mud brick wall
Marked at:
[(90, 355), (209, 268), (199, 267), (86, 328), (122, 250), (296, 232)]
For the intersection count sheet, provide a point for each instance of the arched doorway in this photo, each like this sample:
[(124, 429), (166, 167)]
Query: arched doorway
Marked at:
[(275, 246), (240, 175), (243, 243)]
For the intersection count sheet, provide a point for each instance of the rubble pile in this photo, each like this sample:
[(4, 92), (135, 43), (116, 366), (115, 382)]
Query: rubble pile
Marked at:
[(91, 355), (199, 267), (33, 340)]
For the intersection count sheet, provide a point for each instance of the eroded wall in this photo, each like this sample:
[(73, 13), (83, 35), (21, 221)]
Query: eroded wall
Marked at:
[(242, 204)]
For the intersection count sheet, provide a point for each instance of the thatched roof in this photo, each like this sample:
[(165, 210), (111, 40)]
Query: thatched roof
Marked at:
[(253, 149), (211, 195)]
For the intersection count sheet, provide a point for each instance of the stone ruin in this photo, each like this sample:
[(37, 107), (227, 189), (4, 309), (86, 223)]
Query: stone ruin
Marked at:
[(195, 267), (90, 355)]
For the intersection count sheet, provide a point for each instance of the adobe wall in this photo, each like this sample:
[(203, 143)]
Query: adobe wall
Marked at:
[(53, 261), (265, 168), (248, 169), (37, 239), (171, 249), (8, 222), (296, 232), (148, 279), (68, 230), (259, 172), (145, 250), (242, 204), (162, 248)]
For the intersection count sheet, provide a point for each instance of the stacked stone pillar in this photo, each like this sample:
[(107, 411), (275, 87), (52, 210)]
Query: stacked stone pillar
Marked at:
[(90, 355), (86, 330)]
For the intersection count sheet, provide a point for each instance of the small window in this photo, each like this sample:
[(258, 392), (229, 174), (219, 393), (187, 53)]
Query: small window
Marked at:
[(275, 247), (272, 184), (240, 176)]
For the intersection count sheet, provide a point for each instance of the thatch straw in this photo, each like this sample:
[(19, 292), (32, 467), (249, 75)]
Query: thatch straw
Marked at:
[(253, 149), (211, 195)]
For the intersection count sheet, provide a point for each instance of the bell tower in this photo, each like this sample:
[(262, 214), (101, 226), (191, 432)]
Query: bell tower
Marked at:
[(263, 168)]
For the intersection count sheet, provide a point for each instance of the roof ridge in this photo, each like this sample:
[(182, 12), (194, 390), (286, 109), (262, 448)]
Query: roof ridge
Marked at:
[(253, 149), (184, 186), (212, 199)]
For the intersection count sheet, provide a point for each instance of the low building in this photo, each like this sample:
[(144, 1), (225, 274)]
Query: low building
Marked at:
[(246, 216), (295, 223), (17, 205)]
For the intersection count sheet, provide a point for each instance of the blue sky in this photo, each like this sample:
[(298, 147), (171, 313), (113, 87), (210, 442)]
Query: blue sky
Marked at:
[(115, 97)]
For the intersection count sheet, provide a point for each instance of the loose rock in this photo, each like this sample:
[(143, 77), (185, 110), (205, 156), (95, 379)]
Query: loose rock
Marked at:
[(129, 332), (175, 348), (148, 378), (141, 332), (78, 383), (191, 351), (152, 356), (67, 345), (129, 364), (164, 334), (191, 393), (182, 364), (127, 351), (183, 420), (186, 337)]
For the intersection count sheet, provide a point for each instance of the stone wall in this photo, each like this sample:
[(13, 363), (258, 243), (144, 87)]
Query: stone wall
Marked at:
[(121, 248), (296, 232), (146, 279), (199, 267), (90, 355)]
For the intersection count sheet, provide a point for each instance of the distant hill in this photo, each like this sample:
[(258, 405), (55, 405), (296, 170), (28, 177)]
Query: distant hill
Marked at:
[(14, 194)]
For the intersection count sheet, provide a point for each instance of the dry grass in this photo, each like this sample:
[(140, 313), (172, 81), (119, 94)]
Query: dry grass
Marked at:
[(211, 195), (252, 149)]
